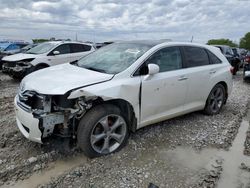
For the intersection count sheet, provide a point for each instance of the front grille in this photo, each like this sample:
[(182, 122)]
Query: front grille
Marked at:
[(31, 100), (9, 63)]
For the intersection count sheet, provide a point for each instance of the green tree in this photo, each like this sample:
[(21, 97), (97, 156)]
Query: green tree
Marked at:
[(40, 40), (245, 41), (222, 42)]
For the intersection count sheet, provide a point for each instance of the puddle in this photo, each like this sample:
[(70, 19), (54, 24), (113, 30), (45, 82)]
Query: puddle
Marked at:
[(55, 170), (232, 176), (187, 157)]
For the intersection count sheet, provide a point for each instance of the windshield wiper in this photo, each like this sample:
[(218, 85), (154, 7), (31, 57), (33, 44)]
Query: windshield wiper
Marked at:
[(95, 69), (74, 62), (29, 52)]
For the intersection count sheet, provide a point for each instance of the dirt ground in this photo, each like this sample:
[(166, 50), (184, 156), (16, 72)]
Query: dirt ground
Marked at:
[(193, 150)]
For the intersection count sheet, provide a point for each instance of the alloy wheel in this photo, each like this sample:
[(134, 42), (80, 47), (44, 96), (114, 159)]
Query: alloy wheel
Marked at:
[(108, 134), (216, 99)]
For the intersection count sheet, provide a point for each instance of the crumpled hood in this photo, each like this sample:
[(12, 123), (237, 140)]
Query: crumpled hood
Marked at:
[(57, 80), (19, 57)]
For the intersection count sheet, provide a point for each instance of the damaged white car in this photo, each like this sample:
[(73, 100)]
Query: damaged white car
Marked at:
[(44, 55), (120, 88)]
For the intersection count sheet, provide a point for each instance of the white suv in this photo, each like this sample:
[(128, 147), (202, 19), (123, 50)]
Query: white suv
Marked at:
[(44, 55), (120, 88)]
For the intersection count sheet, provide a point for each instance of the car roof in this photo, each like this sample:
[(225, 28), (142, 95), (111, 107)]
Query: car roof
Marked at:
[(222, 46), (4, 44), (66, 42), (165, 42), (146, 42)]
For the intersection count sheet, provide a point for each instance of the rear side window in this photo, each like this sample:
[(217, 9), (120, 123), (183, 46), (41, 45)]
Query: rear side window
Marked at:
[(76, 48), (213, 58), (195, 56), (63, 49)]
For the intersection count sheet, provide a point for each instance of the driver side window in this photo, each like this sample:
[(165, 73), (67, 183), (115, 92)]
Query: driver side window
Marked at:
[(167, 59), (63, 49)]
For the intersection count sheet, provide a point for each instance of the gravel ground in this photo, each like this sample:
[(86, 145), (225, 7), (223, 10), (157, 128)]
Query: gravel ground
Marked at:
[(168, 154)]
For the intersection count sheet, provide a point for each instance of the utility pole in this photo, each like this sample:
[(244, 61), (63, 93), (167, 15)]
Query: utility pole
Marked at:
[(192, 38)]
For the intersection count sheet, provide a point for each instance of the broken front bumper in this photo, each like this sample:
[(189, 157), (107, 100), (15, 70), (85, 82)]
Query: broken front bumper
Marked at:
[(7, 66), (18, 71), (35, 125), (27, 124)]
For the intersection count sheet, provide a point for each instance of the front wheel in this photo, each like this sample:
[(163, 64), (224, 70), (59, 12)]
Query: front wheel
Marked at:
[(102, 130), (215, 100)]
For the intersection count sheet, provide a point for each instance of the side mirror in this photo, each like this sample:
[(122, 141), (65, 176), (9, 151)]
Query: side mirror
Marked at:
[(56, 52), (153, 69)]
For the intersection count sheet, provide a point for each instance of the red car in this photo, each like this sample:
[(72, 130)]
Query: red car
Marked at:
[(246, 70), (247, 57)]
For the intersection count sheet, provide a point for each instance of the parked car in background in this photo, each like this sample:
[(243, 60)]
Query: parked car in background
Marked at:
[(246, 66), (231, 57), (237, 53), (120, 88), (12, 46), (44, 55), (22, 50), (238, 56), (9, 48)]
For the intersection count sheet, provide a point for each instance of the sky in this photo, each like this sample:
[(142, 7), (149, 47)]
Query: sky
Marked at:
[(107, 20)]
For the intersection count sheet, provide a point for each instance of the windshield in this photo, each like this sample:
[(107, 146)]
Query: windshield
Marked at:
[(113, 58), (3, 46), (41, 48), (28, 47)]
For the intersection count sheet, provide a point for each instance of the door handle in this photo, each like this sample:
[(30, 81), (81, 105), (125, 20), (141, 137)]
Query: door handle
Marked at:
[(212, 71), (182, 78)]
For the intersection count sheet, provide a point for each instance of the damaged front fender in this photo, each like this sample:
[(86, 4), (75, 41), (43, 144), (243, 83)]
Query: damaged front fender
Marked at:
[(128, 90)]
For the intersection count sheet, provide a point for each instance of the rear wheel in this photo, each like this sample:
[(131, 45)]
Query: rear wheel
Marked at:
[(103, 130), (215, 100)]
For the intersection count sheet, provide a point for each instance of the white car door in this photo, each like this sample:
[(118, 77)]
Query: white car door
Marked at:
[(64, 55), (163, 94), (80, 50), (199, 72)]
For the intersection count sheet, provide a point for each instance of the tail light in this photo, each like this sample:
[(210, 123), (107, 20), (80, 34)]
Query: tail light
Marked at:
[(231, 70)]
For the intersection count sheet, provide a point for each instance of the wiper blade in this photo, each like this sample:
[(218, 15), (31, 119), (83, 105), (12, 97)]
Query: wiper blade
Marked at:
[(95, 69), (74, 62)]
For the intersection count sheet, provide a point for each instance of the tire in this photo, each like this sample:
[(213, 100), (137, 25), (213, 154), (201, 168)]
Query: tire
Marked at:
[(39, 67), (215, 100), (18, 79), (33, 69), (98, 129)]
